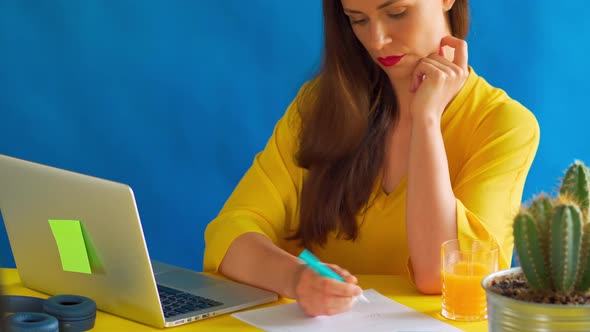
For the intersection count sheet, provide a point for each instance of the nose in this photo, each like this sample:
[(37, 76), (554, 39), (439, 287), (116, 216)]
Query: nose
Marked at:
[(379, 36)]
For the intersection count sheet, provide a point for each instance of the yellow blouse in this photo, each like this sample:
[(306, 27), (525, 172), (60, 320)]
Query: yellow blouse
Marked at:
[(490, 140)]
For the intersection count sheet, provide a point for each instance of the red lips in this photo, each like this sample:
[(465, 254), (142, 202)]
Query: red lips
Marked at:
[(390, 60)]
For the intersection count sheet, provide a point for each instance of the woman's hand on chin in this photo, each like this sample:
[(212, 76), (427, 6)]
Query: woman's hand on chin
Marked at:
[(437, 80)]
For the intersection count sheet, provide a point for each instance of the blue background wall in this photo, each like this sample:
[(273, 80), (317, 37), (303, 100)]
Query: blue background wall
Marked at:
[(175, 97)]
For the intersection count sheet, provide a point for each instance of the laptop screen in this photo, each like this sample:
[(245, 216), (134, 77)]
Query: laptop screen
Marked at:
[(72, 233)]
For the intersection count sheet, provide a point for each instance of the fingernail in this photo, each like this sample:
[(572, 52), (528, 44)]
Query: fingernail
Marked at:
[(441, 51)]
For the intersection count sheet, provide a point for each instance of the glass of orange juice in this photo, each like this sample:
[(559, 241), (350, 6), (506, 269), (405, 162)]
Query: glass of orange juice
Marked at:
[(464, 264)]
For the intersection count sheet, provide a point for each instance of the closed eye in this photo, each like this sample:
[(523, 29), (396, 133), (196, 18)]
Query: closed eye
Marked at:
[(358, 21), (397, 15)]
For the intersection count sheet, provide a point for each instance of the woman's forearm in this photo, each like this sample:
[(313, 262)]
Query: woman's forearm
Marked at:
[(430, 203), (253, 259)]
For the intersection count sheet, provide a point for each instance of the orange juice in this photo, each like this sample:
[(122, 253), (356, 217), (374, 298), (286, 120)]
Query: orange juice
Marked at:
[(462, 294)]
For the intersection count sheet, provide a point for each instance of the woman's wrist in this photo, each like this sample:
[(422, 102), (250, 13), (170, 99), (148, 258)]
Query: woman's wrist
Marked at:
[(425, 122), (291, 291)]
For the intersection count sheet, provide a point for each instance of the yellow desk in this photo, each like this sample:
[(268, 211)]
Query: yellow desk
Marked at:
[(395, 287)]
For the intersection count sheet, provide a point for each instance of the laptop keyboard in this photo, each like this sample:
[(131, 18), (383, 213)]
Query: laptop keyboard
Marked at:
[(176, 302)]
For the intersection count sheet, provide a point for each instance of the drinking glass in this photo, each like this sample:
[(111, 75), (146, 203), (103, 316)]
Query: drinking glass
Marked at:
[(464, 264)]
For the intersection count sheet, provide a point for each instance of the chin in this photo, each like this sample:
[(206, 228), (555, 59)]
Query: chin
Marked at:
[(397, 73)]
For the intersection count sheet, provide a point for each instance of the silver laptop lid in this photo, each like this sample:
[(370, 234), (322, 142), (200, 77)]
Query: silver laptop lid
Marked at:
[(121, 279)]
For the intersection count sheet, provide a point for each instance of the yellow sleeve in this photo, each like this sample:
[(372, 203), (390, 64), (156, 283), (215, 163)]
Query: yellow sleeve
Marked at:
[(266, 199), (490, 184)]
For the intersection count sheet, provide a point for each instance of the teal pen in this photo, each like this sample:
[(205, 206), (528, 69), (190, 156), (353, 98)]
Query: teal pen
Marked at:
[(315, 264)]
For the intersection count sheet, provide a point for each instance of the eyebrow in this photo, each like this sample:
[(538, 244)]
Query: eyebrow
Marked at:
[(381, 6)]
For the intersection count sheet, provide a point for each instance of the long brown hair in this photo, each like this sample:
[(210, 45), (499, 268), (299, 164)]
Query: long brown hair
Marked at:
[(345, 114)]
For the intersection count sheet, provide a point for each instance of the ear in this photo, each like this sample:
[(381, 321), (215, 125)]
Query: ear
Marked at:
[(448, 4)]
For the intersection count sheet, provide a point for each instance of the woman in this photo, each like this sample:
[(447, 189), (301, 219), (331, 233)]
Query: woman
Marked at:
[(395, 147)]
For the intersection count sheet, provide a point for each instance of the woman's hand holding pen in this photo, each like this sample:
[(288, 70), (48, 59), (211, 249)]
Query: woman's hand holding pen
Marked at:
[(319, 295), (436, 80)]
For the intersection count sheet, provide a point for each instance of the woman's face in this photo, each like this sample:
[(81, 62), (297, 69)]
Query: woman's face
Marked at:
[(398, 33)]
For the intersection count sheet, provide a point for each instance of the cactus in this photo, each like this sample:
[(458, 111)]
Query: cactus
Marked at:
[(552, 236)]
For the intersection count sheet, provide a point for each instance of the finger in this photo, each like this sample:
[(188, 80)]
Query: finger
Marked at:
[(337, 288), (417, 78), (336, 304), (336, 301), (327, 306), (340, 271), (447, 51), (351, 279), (345, 274), (449, 69), (442, 60), (460, 47), (422, 71)]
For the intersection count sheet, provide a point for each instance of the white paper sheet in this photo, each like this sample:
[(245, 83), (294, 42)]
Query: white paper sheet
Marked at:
[(382, 314)]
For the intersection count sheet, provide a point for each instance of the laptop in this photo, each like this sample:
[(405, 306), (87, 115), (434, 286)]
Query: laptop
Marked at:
[(122, 279)]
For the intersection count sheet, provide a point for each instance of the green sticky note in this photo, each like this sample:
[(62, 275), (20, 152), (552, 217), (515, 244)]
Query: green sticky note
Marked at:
[(71, 245)]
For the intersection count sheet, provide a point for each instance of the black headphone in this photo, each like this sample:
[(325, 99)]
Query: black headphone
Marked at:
[(61, 313)]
